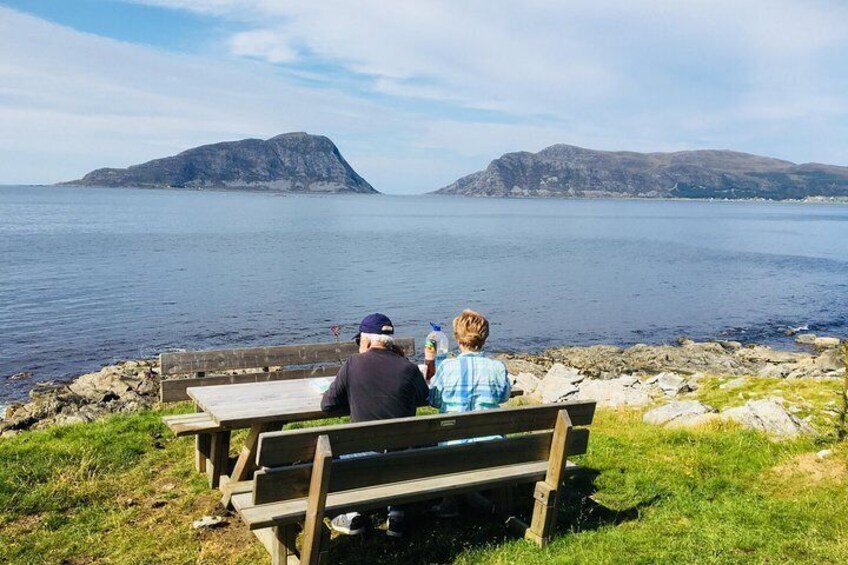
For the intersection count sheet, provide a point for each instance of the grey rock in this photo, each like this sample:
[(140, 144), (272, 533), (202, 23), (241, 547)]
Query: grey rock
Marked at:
[(769, 416), (118, 388), (671, 384), (528, 382), (291, 162), (733, 383), (614, 393), (559, 383), (569, 171), (824, 453), (805, 339), (829, 360), (826, 342), (516, 366), (20, 376), (678, 413)]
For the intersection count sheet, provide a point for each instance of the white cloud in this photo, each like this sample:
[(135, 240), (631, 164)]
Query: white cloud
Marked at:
[(439, 87)]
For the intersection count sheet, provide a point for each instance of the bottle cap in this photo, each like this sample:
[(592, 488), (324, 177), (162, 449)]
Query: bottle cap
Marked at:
[(436, 327)]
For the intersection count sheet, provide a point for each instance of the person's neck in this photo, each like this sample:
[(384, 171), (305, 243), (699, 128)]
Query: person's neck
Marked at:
[(463, 349)]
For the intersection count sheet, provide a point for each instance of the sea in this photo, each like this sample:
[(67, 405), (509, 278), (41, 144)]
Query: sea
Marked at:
[(91, 276)]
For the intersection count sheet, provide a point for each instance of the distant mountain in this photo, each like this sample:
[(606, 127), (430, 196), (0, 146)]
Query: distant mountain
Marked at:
[(568, 171), (291, 162)]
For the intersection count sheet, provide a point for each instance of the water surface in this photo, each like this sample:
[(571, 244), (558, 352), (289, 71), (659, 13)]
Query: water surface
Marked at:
[(90, 276)]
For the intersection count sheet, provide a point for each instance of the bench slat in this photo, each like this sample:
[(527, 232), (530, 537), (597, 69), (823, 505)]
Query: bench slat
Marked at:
[(284, 448), (267, 515), (191, 424), (252, 357), (174, 390), (293, 481)]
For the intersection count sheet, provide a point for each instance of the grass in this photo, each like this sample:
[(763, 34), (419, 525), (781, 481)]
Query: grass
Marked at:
[(122, 490)]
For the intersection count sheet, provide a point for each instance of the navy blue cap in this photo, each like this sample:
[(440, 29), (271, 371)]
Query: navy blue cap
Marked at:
[(376, 324)]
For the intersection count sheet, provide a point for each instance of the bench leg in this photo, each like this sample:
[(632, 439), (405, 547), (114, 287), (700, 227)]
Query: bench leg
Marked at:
[(283, 550), (546, 494), (544, 514), (219, 457), (313, 524), (202, 443)]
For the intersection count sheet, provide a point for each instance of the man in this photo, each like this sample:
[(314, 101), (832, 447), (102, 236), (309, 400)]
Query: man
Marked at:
[(377, 383), (468, 382)]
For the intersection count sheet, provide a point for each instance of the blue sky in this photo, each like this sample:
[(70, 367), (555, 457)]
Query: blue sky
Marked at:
[(415, 93)]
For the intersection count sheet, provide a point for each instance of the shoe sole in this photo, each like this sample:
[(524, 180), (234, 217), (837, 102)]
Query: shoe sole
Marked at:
[(392, 534), (348, 532)]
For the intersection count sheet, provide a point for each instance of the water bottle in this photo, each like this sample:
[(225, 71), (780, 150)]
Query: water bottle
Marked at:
[(436, 346)]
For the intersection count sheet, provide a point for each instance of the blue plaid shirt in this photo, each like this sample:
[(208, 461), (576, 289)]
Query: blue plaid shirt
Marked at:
[(469, 382)]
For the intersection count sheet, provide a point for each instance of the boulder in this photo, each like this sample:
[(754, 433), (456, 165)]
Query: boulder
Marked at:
[(615, 393), (733, 383), (671, 384), (763, 354), (527, 382), (805, 339), (559, 383), (679, 413), (767, 415), (826, 342), (516, 366), (829, 360), (779, 371)]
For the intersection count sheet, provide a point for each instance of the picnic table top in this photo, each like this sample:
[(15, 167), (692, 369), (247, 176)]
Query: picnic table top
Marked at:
[(242, 405)]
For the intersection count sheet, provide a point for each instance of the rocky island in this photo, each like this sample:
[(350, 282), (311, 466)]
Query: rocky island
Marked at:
[(573, 172), (291, 162)]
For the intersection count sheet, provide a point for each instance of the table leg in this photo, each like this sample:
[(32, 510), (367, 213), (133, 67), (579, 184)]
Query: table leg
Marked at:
[(219, 457), (246, 463)]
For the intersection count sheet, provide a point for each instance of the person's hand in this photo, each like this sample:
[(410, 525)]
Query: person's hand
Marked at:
[(430, 351)]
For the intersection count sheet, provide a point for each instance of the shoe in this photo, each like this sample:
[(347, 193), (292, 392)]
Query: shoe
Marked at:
[(351, 524), (395, 526), (447, 508)]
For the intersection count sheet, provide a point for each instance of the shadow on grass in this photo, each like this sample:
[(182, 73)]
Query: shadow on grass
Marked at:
[(430, 540)]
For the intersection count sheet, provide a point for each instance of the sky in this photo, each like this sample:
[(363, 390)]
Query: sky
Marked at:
[(417, 93)]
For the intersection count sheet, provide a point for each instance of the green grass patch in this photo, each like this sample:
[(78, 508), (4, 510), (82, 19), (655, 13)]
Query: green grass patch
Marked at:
[(123, 490), (818, 399)]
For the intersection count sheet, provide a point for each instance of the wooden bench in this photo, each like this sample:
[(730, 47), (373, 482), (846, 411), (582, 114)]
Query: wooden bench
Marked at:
[(301, 478), (235, 366)]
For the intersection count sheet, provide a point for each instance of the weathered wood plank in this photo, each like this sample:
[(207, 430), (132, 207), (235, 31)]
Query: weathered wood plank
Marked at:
[(319, 483), (292, 482), (219, 457), (242, 405), (174, 390), (245, 464), (283, 448), (191, 424), (266, 515), (546, 494), (253, 357)]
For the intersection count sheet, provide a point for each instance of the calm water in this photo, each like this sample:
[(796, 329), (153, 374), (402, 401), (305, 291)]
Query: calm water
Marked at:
[(90, 276)]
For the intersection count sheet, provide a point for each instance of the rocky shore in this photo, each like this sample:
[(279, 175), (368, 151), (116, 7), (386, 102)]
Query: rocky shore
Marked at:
[(637, 376)]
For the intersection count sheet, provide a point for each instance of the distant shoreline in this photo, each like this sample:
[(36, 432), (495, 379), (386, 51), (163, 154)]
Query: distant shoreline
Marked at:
[(269, 191)]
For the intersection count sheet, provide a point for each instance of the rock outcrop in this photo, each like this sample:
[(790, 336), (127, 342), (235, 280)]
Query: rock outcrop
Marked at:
[(685, 361), (125, 387), (767, 415), (291, 162), (683, 413), (568, 171)]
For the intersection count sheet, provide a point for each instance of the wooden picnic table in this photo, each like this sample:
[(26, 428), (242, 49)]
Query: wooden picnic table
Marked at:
[(262, 407)]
